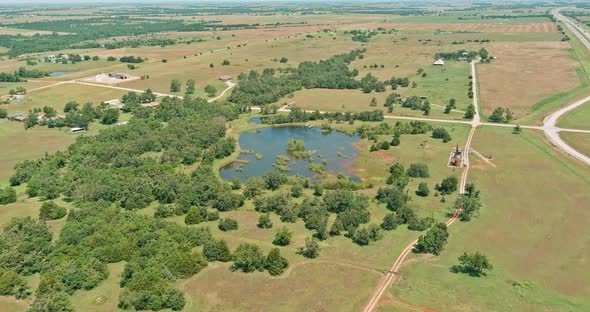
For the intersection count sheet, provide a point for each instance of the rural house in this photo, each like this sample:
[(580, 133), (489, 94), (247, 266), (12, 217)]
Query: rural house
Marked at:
[(439, 62)]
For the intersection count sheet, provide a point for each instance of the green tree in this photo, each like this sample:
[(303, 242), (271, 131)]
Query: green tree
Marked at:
[(228, 224), (57, 301), (7, 195), (225, 62), (418, 170), (275, 263), (389, 221), (109, 116), (476, 263), (210, 90), (283, 237), (216, 250), (196, 215), (12, 284), (497, 115), (51, 211), (373, 102), (175, 85), (248, 258), (517, 130), (190, 86), (311, 248), (470, 112), (264, 221), (423, 189), (448, 185), (434, 240)]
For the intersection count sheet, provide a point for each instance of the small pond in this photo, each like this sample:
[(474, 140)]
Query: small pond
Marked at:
[(57, 73), (335, 150)]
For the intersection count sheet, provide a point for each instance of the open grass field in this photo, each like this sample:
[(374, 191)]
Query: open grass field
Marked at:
[(530, 234), (524, 74), (19, 144), (355, 101), (533, 225), (579, 141), (58, 96), (579, 118), (255, 56)]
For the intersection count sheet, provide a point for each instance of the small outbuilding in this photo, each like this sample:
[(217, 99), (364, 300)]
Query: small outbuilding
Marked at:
[(225, 78), (439, 62), (19, 97), (121, 76), (76, 129), (18, 117)]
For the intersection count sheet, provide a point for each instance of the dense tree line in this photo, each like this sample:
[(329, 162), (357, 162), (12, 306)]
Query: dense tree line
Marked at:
[(84, 33), (257, 89), (298, 115), (22, 74)]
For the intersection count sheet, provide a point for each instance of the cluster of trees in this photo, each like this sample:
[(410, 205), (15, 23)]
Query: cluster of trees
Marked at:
[(434, 240), (76, 116), (448, 185), (89, 30), (417, 103), (361, 35), (7, 195), (400, 127), (22, 74), (51, 211), (501, 114), (452, 105), (120, 173), (441, 133), (471, 55), (132, 100), (131, 59), (249, 258), (102, 173), (298, 115), (257, 89), (469, 203)]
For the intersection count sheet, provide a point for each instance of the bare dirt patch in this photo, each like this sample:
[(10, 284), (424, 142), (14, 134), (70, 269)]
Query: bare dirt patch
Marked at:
[(106, 79), (524, 74), (384, 155)]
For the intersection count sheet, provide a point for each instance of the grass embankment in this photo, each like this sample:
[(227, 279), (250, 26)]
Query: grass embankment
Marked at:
[(579, 141), (529, 228)]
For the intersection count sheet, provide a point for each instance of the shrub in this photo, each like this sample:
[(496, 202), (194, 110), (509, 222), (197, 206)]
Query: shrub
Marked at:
[(51, 211), (7, 195), (216, 250), (283, 237), (264, 221), (228, 224), (248, 258), (418, 170)]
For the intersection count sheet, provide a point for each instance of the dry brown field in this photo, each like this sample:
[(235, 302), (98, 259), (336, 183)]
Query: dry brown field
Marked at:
[(524, 74)]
